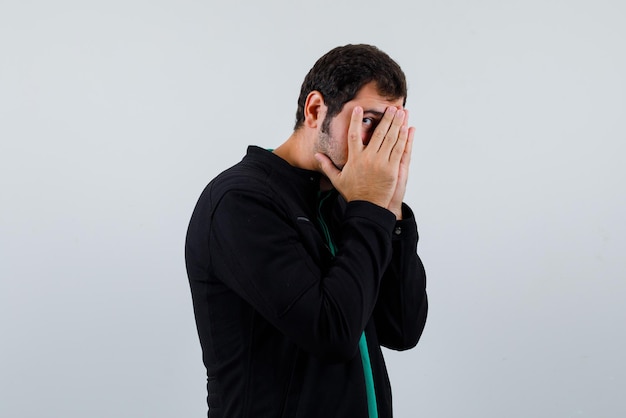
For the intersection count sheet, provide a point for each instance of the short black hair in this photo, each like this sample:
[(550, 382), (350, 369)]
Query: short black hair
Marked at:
[(340, 73)]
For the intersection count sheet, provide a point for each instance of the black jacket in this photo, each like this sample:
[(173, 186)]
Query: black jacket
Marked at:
[(278, 316)]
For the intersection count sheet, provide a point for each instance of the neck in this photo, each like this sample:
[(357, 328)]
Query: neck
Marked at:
[(299, 150)]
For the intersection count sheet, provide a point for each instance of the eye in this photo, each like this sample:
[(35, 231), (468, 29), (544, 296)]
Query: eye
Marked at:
[(368, 123)]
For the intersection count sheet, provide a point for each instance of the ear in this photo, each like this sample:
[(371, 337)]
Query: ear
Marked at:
[(314, 109)]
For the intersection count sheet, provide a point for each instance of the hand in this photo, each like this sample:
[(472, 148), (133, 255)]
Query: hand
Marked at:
[(372, 172)]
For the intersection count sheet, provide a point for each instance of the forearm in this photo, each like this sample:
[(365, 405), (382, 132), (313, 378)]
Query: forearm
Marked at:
[(402, 306)]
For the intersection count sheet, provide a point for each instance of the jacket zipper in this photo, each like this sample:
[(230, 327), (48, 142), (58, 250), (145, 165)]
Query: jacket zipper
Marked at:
[(372, 407)]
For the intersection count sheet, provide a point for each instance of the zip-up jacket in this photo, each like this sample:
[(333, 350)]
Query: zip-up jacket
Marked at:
[(279, 312)]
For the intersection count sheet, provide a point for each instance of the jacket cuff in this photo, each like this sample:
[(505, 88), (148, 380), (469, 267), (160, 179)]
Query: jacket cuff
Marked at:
[(374, 213), (407, 227)]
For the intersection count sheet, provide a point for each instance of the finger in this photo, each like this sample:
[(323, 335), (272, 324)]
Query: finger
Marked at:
[(396, 153), (397, 131), (403, 171), (408, 149), (381, 130), (327, 167), (355, 143), (406, 117)]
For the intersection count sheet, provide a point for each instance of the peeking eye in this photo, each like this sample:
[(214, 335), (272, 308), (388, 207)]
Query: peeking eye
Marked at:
[(368, 123)]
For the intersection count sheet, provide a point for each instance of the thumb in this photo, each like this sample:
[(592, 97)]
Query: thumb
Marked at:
[(327, 167)]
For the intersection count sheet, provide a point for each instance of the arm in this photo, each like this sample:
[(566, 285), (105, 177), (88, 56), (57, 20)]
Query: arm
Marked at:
[(401, 310), (258, 252), (402, 304)]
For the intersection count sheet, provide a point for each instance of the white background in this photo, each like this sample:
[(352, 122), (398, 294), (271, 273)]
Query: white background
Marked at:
[(115, 114)]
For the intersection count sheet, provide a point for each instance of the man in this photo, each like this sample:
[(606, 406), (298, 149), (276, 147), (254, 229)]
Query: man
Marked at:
[(302, 260)]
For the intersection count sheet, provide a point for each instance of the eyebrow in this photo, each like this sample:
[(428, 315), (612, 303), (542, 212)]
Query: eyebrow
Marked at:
[(373, 112)]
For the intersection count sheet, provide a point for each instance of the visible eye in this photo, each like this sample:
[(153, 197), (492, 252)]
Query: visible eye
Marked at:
[(368, 123)]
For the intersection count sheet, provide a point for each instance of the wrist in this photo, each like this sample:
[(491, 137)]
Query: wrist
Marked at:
[(397, 211)]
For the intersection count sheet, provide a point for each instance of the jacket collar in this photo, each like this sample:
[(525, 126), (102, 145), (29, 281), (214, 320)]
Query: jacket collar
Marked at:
[(305, 178)]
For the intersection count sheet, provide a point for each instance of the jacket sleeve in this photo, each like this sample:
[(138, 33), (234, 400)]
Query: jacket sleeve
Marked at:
[(401, 310), (257, 251)]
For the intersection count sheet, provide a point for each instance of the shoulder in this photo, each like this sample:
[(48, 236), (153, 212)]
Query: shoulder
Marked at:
[(245, 175), (254, 175)]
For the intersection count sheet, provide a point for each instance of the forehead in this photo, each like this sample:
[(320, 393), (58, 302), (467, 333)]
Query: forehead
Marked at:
[(369, 97)]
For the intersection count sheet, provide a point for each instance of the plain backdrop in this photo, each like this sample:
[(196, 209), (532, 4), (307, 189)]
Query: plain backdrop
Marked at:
[(115, 114)]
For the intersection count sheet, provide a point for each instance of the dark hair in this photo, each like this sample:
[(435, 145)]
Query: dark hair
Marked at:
[(340, 73)]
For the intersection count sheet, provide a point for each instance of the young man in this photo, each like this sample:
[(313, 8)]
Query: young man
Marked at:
[(302, 261)]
